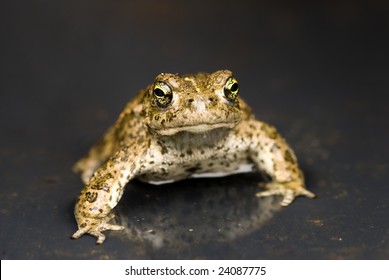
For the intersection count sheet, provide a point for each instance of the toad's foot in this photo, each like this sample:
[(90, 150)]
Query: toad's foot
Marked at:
[(289, 190), (95, 227)]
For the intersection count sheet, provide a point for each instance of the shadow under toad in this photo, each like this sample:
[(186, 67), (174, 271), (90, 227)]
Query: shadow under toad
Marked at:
[(193, 212)]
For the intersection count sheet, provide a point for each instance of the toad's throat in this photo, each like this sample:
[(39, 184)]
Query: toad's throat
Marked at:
[(197, 128)]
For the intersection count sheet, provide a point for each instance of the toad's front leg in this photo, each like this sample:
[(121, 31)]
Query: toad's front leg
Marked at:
[(102, 193), (271, 154)]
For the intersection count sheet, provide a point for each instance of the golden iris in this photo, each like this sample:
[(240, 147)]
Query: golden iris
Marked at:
[(231, 89), (162, 93)]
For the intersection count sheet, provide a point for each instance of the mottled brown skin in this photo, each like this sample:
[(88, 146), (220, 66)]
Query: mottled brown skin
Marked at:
[(180, 127)]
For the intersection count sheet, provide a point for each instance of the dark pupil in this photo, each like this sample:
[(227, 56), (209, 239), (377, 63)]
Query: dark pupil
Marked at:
[(159, 92), (234, 87)]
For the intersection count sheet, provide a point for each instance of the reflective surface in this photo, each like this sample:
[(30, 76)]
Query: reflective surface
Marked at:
[(318, 72), (190, 216)]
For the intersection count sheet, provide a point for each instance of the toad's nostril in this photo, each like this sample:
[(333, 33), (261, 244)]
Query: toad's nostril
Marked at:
[(197, 105)]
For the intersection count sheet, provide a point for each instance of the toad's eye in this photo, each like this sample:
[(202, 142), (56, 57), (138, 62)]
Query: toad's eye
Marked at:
[(231, 89), (162, 93)]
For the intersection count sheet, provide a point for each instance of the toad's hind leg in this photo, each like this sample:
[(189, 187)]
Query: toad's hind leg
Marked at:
[(97, 155)]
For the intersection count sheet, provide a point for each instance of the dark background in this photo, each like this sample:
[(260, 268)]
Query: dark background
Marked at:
[(317, 71)]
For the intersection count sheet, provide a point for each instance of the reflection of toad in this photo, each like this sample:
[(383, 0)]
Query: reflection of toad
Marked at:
[(193, 214), (180, 127)]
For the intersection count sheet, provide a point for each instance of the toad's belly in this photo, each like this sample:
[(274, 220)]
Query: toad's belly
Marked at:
[(196, 171)]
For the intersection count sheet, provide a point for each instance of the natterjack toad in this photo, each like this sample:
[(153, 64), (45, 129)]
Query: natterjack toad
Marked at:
[(181, 127)]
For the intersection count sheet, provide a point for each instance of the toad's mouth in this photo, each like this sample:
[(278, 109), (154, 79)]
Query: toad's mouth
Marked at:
[(198, 128)]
